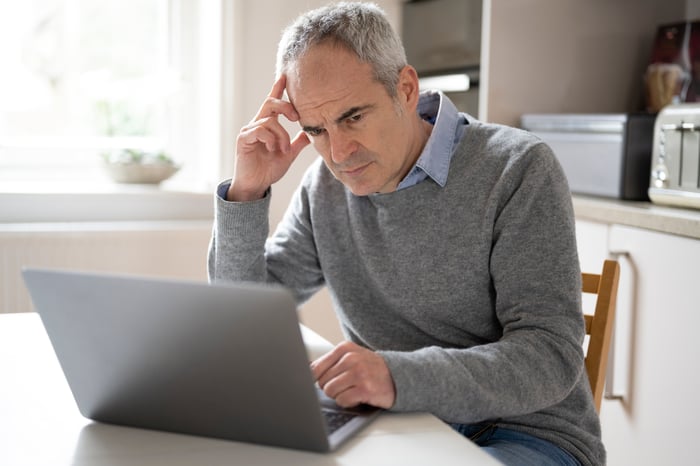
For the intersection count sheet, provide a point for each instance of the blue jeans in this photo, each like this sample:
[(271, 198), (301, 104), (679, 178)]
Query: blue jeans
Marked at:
[(511, 447)]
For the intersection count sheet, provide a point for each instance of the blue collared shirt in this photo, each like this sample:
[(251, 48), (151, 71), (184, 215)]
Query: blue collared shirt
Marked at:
[(448, 128)]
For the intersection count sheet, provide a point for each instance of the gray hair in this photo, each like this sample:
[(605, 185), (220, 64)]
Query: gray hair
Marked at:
[(361, 28)]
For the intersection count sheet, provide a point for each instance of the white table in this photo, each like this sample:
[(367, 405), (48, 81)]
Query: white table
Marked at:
[(40, 425)]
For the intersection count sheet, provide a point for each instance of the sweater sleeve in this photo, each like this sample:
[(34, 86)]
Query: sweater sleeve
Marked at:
[(240, 249), (535, 279), (236, 249)]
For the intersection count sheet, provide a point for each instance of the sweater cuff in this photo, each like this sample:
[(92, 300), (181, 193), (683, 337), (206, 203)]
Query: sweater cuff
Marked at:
[(241, 219), (408, 375)]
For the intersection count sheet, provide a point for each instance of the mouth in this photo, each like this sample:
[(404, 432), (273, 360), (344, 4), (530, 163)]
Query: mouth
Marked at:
[(354, 172)]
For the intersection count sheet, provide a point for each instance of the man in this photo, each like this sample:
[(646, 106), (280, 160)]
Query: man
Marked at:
[(447, 244)]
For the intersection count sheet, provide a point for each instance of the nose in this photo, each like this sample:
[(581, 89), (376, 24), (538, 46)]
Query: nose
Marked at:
[(342, 146)]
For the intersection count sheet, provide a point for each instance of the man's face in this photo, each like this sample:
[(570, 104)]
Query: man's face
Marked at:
[(364, 136)]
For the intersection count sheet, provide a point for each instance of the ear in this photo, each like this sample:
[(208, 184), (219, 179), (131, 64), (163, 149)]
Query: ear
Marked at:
[(408, 89)]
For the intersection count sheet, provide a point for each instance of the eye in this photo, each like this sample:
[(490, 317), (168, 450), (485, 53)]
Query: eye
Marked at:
[(355, 118), (314, 132)]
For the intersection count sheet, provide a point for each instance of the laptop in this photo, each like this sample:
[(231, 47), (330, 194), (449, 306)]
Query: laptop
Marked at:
[(222, 361)]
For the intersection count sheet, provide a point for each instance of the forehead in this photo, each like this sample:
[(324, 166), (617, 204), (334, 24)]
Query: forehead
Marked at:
[(329, 78)]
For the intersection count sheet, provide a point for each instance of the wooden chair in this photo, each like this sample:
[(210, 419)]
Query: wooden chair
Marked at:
[(599, 325)]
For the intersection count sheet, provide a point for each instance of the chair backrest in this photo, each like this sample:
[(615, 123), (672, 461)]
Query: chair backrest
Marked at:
[(599, 325)]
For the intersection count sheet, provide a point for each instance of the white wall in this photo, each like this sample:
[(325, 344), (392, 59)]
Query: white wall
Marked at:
[(692, 10), (554, 56), (158, 248), (257, 28)]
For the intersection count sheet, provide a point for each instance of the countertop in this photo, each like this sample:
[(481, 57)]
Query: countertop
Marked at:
[(665, 219)]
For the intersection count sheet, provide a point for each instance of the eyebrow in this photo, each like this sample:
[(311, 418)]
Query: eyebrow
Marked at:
[(343, 116)]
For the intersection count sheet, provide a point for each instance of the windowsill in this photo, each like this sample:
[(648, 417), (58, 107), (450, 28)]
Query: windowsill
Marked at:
[(30, 202)]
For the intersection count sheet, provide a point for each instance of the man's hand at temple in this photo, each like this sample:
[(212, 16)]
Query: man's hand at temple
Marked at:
[(264, 149)]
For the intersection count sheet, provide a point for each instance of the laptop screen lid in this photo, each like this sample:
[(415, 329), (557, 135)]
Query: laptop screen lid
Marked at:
[(225, 361)]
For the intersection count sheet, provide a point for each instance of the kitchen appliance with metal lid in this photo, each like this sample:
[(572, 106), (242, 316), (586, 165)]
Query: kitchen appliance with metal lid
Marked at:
[(606, 155), (675, 168)]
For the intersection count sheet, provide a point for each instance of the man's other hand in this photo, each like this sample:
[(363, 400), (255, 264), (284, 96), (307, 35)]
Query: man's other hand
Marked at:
[(353, 375)]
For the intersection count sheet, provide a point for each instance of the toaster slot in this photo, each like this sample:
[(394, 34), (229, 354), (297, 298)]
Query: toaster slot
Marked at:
[(690, 156), (671, 153)]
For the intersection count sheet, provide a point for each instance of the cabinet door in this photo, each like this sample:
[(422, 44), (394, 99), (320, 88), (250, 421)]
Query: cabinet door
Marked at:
[(592, 242), (655, 423)]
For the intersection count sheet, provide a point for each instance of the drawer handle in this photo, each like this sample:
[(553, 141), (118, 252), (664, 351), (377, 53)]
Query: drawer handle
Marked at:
[(617, 384)]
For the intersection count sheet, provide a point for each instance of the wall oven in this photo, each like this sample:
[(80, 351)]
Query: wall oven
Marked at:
[(442, 39)]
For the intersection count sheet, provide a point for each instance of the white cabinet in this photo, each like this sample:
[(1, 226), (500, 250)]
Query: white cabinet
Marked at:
[(656, 351), (592, 239)]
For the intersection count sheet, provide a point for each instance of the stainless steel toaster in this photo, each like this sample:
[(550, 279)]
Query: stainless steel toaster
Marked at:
[(675, 167)]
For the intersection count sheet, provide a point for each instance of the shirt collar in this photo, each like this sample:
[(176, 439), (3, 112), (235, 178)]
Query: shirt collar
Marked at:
[(448, 127)]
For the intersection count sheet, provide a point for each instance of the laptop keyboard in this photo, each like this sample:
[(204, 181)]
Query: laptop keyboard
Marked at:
[(336, 419)]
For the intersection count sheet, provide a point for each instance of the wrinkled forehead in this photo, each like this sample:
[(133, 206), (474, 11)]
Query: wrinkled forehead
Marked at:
[(327, 73)]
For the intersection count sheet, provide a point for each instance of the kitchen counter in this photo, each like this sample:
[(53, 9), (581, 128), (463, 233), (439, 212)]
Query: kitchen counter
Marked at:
[(673, 220)]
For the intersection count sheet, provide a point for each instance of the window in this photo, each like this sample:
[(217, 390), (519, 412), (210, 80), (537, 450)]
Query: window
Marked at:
[(82, 78)]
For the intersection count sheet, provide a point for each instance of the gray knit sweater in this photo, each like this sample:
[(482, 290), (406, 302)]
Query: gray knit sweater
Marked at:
[(470, 292)]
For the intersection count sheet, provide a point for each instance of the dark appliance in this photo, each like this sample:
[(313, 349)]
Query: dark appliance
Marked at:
[(442, 39)]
